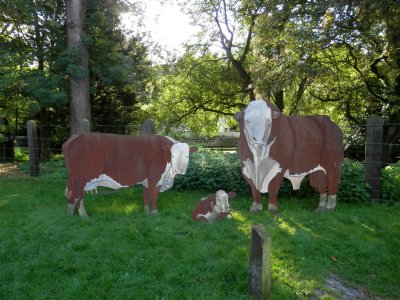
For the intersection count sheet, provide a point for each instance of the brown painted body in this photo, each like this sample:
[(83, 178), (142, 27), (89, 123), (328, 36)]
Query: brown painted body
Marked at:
[(128, 160), (206, 205), (301, 144)]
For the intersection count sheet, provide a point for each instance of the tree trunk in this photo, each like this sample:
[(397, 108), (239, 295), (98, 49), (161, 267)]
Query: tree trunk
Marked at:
[(279, 100), (79, 78), (45, 135), (7, 146)]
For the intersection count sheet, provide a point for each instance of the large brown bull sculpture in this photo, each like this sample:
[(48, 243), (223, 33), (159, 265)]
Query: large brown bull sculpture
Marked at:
[(272, 146), (116, 161)]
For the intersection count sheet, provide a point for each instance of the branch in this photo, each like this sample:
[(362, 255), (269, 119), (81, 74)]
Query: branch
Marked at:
[(355, 66), (349, 116), (326, 99), (374, 68)]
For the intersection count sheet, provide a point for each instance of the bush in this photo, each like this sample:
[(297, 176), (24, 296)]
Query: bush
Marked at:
[(353, 187), (214, 170), (391, 183)]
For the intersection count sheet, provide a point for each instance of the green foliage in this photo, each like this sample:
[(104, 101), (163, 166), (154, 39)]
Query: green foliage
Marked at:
[(213, 170), (353, 187), (391, 183), (195, 94)]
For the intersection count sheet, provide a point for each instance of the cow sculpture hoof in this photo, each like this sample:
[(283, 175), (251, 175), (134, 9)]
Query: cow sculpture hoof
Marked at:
[(70, 209), (146, 210), (154, 212), (273, 210), (256, 208), (321, 209)]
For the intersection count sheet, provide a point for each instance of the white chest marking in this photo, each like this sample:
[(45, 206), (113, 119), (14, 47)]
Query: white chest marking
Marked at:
[(264, 168)]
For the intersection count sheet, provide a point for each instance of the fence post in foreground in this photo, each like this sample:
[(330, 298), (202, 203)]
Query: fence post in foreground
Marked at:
[(84, 126), (373, 155), (260, 263), (148, 127), (33, 148)]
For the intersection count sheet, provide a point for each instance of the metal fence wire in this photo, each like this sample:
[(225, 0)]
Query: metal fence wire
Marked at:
[(365, 145)]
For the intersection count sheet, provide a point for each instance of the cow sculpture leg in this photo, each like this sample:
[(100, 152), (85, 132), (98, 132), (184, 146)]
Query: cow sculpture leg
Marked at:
[(76, 203), (257, 205), (150, 198), (273, 190), (323, 183)]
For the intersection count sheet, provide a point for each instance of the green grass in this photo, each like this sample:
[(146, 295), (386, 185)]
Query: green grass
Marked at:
[(119, 253)]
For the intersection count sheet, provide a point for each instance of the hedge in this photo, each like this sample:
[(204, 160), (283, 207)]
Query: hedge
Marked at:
[(213, 170)]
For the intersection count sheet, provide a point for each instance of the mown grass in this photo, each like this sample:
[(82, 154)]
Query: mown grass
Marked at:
[(119, 253)]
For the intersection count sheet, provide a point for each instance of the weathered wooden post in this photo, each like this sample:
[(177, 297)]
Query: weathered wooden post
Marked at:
[(148, 127), (373, 155), (84, 126), (33, 148), (260, 263)]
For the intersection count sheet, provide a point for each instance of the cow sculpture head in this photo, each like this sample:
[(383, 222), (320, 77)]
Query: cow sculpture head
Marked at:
[(180, 157), (221, 203), (257, 121)]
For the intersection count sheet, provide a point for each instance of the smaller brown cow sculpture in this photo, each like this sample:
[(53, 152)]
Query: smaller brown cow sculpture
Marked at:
[(272, 146), (116, 161), (214, 207)]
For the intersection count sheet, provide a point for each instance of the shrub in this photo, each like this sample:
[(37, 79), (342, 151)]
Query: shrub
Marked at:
[(214, 170), (353, 187), (391, 183)]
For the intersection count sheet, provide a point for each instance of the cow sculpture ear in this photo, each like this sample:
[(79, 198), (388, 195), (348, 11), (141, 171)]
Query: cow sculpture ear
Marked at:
[(275, 114), (193, 149), (231, 195), (238, 116)]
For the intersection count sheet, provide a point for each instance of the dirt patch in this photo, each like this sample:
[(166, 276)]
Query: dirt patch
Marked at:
[(340, 291), (10, 170)]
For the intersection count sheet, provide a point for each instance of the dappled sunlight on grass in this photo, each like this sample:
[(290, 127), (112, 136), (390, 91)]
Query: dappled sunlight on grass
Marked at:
[(286, 227), (237, 216), (297, 225), (118, 208), (284, 273)]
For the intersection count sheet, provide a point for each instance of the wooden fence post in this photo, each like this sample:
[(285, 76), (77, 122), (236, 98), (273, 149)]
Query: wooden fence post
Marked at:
[(84, 126), (373, 155), (148, 127), (33, 148), (260, 263)]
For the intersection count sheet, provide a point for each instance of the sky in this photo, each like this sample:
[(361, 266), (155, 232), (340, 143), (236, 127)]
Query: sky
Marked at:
[(167, 24)]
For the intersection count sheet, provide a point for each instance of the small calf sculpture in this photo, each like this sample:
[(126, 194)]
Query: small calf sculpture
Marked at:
[(116, 161), (272, 146), (214, 207)]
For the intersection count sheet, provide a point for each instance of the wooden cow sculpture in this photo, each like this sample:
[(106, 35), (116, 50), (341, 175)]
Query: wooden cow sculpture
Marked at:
[(115, 161), (272, 146), (214, 207)]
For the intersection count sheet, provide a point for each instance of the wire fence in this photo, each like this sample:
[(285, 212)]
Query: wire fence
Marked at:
[(362, 143), (51, 137)]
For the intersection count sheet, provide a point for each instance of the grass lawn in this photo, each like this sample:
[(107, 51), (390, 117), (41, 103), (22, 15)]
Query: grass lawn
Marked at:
[(119, 253)]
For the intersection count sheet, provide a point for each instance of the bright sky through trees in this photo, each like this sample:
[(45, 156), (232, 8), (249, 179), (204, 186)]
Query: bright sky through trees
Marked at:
[(166, 23)]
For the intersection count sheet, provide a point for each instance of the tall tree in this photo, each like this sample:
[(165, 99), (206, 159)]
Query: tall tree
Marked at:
[(79, 71), (229, 25)]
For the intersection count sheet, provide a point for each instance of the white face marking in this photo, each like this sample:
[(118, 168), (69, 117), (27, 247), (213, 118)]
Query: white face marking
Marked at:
[(257, 122), (222, 204), (180, 157)]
